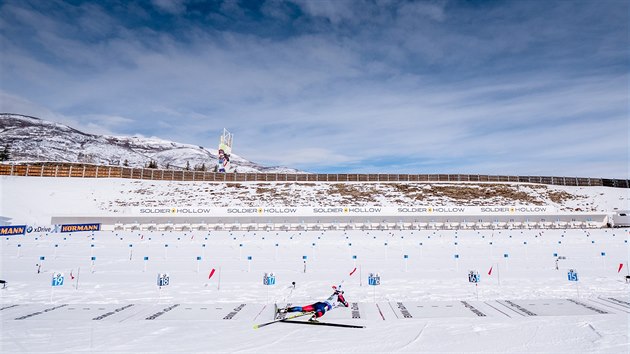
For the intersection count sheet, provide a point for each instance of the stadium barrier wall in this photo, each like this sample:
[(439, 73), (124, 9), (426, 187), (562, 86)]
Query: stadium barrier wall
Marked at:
[(320, 222), (103, 171)]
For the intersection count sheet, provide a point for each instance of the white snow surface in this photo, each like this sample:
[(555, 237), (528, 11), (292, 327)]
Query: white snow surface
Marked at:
[(590, 316), (433, 280), (34, 200)]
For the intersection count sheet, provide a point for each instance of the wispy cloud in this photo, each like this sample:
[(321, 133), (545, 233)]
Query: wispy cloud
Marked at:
[(174, 7), (392, 86)]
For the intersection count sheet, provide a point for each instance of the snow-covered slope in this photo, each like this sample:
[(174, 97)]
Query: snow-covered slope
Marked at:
[(34, 139), (35, 199)]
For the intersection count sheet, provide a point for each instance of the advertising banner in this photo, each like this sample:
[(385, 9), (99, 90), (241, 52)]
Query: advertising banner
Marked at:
[(47, 228), (346, 211), (80, 227), (12, 230)]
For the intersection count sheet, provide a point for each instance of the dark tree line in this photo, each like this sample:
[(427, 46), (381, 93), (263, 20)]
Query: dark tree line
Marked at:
[(198, 167), (5, 153)]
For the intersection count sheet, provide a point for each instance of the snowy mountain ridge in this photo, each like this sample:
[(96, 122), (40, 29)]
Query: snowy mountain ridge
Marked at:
[(34, 139)]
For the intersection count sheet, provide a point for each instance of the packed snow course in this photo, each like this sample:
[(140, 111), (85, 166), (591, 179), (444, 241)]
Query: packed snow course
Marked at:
[(425, 302)]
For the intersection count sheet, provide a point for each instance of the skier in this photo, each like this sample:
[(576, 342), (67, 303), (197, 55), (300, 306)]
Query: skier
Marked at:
[(320, 308)]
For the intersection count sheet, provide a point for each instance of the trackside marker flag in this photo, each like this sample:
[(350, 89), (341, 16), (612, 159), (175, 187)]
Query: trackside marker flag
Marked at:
[(354, 270), (72, 276), (620, 266), (490, 271), (211, 273)]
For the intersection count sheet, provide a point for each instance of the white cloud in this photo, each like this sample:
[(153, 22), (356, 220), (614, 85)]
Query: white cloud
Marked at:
[(331, 10), (417, 11), (366, 86), (174, 7)]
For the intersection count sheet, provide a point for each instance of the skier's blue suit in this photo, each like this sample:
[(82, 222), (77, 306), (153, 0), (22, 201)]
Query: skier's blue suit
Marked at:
[(320, 308)]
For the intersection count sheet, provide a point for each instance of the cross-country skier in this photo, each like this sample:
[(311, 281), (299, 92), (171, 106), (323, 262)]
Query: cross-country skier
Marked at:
[(320, 308)]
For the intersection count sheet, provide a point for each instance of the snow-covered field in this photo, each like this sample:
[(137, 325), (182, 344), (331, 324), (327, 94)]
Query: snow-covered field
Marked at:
[(431, 287), (34, 200), (424, 304)]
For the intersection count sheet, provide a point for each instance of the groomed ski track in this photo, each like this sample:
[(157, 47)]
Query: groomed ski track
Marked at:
[(408, 326), (426, 305)]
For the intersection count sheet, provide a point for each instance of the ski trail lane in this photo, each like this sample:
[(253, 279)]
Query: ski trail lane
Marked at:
[(415, 339), (260, 348)]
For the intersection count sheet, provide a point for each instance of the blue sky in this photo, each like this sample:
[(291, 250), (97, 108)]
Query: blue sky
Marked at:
[(490, 87)]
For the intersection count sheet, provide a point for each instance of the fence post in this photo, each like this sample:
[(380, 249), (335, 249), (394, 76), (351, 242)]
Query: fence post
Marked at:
[(41, 172), (27, 166)]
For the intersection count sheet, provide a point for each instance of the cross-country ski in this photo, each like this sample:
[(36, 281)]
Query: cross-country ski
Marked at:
[(284, 318), (318, 323)]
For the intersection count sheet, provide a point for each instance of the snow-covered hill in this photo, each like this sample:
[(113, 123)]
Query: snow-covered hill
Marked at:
[(34, 139), (35, 200)]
